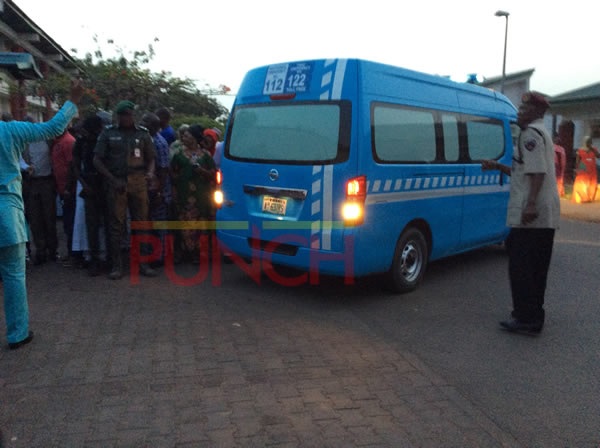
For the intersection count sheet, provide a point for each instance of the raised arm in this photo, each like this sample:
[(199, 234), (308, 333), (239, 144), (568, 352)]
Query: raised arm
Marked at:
[(25, 132)]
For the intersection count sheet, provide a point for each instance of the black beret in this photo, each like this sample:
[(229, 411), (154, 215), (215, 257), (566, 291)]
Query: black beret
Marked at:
[(535, 99)]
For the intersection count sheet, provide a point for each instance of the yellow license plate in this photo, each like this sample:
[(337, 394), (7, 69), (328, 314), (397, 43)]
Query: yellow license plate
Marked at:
[(273, 205)]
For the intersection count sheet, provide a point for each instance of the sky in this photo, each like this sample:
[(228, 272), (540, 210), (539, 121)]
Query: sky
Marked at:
[(217, 42)]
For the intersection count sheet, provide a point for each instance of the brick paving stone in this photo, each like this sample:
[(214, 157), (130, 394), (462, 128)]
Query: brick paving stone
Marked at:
[(365, 436), (247, 426), (103, 443), (312, 395), (218, 421), (154, 365), (222, 437)]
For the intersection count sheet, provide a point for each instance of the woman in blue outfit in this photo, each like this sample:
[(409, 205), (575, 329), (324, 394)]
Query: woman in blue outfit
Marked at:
[(14, 138)]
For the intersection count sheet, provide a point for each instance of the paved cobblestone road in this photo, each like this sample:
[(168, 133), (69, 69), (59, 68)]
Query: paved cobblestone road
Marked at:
[(157, 365), (241, 365)]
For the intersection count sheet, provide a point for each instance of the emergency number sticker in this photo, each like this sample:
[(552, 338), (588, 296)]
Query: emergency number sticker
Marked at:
[(288, 78)]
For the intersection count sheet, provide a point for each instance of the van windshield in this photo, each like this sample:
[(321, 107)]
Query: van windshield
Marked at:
[(302, 133)]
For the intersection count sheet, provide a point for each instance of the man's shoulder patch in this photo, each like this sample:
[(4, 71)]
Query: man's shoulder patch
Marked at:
[(530, 144)]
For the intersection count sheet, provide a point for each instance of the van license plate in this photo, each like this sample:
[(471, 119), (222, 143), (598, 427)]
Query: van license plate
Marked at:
[(274, 205)]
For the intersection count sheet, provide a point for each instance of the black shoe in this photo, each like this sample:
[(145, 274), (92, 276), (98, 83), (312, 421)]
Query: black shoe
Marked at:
[(16, 345), (115, 274), (147, 271), (517, 326)]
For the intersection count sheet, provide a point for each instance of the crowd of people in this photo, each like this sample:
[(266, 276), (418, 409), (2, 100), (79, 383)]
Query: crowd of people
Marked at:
[(109, 171), (112, 173), (586, 171), (585, 187)]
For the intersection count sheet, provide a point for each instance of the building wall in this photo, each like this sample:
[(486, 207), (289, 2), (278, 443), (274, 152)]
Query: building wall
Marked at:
[(514, 91)]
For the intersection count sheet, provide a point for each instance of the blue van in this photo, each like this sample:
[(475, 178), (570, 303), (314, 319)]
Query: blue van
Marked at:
[(350, 167)]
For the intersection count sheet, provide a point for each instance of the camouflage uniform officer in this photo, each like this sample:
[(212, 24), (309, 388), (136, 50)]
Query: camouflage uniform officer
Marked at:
[(124, 155)]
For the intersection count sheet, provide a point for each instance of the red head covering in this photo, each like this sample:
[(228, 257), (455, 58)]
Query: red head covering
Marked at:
[(212, 134)]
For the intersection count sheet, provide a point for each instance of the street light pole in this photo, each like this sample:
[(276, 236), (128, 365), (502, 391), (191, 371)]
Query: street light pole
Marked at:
[(505, 15)]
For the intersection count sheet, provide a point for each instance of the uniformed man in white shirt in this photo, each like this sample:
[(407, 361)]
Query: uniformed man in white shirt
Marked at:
[(533, 215)]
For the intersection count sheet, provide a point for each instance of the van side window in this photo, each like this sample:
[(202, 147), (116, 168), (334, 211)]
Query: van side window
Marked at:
[(403, 135), (451, 146), (485, 137)]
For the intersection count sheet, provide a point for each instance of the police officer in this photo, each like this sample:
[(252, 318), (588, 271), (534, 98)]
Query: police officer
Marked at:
[(124, 156), (533, 215)]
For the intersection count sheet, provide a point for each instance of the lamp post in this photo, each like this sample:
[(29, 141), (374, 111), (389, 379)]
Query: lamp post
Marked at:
[(505, 15)]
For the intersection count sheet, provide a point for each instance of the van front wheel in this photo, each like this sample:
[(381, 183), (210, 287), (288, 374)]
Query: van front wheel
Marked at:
[(410, 261)]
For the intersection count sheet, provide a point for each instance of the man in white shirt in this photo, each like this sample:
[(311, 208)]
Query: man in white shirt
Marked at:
[(533, 215)]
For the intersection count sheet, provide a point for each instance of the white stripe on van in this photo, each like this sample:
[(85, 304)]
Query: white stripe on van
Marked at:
[(315, 208), (333, 79), (321, 207), (332, 82), (416, 195), (316, 187), (326, 78), (405, 196), (327, 206), (314, 230), (338, 80), (433, 183)]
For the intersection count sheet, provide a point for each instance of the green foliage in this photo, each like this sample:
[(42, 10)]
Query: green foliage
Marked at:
[(204, 121), (118, 78)]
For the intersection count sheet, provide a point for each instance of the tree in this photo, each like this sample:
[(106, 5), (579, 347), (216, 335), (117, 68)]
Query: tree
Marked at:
[(119, 78)]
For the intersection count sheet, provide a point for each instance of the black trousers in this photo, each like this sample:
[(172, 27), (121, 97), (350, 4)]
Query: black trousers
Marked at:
[(529, 255), (41, 204), (96, 218)]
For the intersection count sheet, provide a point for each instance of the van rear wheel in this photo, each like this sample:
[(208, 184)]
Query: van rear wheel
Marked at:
[(410, 261)]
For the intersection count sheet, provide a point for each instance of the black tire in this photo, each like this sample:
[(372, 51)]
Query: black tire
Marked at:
[(410, 261)]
